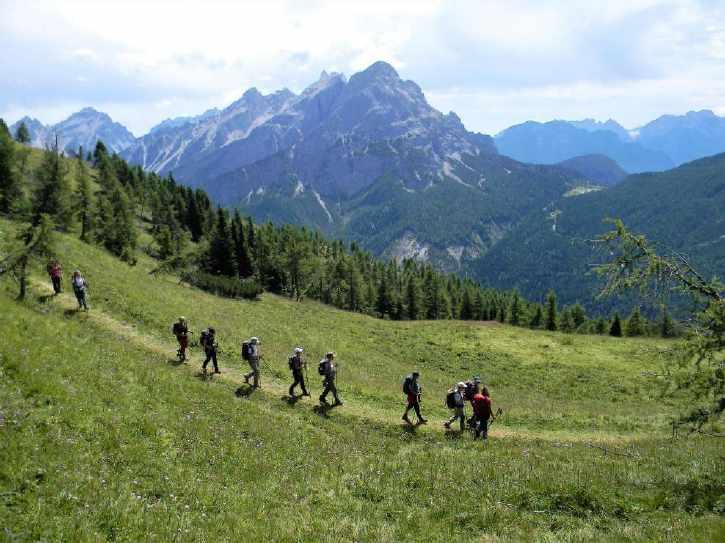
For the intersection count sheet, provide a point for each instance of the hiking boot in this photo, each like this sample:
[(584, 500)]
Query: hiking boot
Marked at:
[(323, 401), (447, 425), (217, 371), (305, 393), (423, 421), (406, 419), (338, 402), (246, 379)]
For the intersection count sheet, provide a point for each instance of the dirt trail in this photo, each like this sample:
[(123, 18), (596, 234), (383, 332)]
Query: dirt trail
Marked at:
[(275, 390)]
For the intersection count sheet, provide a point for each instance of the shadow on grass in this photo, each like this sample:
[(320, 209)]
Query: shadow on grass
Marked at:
[(174, 362), (244, 391), (71, 312), (323, 410), (45, 298), (291, 400)]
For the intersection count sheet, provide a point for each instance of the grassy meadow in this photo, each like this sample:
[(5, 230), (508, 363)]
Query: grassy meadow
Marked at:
[(105, 437)]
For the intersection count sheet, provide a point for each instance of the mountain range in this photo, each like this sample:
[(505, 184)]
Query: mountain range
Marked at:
[(368, 159), (82, 129)]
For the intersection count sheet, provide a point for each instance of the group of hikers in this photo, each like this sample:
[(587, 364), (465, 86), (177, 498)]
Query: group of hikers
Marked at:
[(78, 282), (251, 351), (463, 392)]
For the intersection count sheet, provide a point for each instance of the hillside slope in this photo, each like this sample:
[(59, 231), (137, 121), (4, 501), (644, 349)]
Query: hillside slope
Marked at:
[(104, 436), (681, 209)]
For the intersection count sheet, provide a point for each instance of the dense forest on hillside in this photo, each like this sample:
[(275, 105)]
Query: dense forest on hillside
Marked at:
[(125, 210)]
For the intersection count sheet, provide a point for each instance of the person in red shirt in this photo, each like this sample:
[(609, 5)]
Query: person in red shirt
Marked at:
[(56, 275), (483, 412)]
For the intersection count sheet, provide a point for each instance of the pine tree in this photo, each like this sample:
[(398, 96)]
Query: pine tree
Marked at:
[(616, 329), (10, 192), (515, 309), (34, 244), (52, 193), (578, 315), (4, 130), (83, 199), (566, 321), (466, 312), (219, 257), (122, 238), (538, 317), (600, 326), (635, 326), (22, 134), (666, 325), (551, 317), (413, 297), (100, 153)]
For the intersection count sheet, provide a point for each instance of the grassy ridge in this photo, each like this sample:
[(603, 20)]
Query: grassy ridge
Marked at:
[(104, 437)]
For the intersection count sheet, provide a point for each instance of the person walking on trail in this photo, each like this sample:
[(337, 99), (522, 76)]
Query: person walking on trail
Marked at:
[(473, 386), (455, 400), (253, 356), (80, 288), (412, 388), (327, 369), (483, 412), (181, 331), (298, 364), (208, 342), (55, 271)]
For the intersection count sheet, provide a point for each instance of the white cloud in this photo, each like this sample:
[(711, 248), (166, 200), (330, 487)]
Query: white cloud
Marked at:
[(494, 63)]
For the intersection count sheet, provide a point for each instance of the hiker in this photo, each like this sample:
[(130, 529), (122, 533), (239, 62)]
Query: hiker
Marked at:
[(80, 286), (253, 355), (181, 331), (482, 412), (455, 401), (473, 386), (298, 364), (55, 271), (413, 390), (327, 369), (208, 342)]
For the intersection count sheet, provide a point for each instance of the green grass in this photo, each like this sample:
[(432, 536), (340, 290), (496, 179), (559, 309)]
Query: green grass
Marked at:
[(104, 437)]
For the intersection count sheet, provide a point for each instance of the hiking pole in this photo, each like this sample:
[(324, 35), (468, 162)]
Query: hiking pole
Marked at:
[(498, 413)]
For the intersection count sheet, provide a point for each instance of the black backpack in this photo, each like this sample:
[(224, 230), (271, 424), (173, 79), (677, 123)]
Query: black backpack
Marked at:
[(246, 350), (322, 368), (204, 338), (451, 399), (406, 384), (291, 362)]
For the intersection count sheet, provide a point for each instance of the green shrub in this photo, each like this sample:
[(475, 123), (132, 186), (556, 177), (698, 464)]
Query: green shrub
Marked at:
[(229, 287)]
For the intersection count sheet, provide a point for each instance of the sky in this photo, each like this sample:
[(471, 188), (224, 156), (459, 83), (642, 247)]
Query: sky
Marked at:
[(495, 63)]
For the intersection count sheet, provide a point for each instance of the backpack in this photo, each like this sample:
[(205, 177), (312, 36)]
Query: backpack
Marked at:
[(451, 399), (406, 384), (291, 362), (322, 367), (204, 338), (246, 350)]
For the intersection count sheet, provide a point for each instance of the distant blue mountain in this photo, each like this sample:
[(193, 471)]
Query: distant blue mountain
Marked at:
[(556, 141)]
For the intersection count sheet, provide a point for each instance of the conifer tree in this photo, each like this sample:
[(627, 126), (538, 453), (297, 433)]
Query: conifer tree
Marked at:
[(22, 134), (616, 329), (578, 315), (551, 316), (52, 192), (600, 326), (537, 318), (10, 192), (219, 258), (666, 325), (566, 321), (34, 244), (635, 326), (413, 299), (83, 199), (515, 309), (4, 128), (466, 312), (100, 153)]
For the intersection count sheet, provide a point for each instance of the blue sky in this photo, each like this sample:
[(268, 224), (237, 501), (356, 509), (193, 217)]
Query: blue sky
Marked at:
[(495, 63)]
